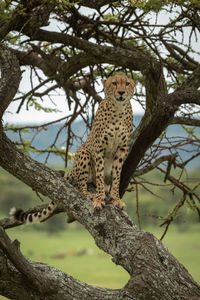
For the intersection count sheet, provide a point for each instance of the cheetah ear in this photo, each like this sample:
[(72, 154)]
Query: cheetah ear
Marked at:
[(103, 81)]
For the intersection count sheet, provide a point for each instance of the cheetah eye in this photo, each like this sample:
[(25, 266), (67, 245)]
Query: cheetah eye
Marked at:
[(127, 83), (114, 83)]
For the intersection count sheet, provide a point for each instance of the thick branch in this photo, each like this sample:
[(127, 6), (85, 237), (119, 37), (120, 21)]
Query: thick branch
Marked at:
[(48, 64), (181, 56), (134, 59), (192, 82), (95, 4), (22, 264), (183, 97), (10, 77), (25, 15), (185, 121)]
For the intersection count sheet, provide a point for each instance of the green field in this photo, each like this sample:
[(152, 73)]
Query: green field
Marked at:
[(75, 252)]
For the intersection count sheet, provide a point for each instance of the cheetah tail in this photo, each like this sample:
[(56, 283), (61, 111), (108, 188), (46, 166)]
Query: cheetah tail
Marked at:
[(31, 218)]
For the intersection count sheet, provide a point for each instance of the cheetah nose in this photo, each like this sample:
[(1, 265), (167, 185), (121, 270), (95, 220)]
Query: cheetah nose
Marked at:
[(121, 92)]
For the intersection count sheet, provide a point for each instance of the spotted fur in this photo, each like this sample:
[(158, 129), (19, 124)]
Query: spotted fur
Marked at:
[(30, 218), (101, 157)]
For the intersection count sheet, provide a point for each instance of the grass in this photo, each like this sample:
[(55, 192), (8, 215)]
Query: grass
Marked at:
[(80, 257)]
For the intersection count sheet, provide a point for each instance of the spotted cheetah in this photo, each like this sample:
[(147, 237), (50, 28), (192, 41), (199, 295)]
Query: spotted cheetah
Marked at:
[(100, 159)]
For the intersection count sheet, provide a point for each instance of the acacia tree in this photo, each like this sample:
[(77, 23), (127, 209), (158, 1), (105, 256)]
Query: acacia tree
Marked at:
[(91, 40)]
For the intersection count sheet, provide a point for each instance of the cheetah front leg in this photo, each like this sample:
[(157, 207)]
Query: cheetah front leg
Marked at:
[(99, 197), (119, 159)]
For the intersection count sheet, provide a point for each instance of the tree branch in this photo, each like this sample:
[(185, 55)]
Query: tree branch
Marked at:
[(192, 82), (22, 264), (183, 97), (95, 4), (134, 58), (185, 121), (153, 165), (10, 77), (25, 15)]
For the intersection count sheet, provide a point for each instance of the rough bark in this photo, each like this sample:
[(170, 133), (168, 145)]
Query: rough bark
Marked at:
[(10, 77)]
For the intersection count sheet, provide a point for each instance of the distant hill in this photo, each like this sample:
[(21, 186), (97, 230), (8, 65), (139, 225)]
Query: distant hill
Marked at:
[(45, 138)]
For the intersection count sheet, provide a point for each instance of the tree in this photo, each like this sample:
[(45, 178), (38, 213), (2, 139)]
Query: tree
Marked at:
[(110, 37)]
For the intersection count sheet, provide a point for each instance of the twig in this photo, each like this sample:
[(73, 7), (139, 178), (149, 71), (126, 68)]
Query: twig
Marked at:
[(166, 229), (154, 164), (137, 206)]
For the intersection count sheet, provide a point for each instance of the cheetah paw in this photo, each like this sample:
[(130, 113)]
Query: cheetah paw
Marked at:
[(98, 203), (119, 203)]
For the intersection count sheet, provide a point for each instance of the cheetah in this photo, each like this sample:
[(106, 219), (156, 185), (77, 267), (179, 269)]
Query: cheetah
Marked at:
[(100, 159)]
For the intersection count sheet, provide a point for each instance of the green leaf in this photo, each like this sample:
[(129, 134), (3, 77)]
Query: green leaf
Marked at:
[(37, 106)]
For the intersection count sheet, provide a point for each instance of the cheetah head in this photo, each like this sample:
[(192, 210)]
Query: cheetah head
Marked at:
[(119, 88)]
